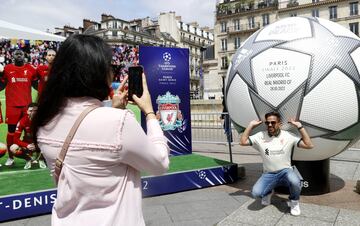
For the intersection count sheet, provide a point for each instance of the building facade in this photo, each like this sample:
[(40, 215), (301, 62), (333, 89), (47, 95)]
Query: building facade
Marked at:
[(236, 20), (196, 39)]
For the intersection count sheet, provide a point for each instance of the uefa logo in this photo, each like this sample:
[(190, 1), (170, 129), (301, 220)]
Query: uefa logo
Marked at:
[(167, 56)]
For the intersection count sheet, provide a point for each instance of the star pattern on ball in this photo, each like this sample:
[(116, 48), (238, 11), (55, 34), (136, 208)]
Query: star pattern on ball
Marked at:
[(243, 56), (323, 58)]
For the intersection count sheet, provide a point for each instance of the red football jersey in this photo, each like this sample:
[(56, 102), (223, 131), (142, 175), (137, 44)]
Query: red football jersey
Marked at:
[(43, 71), (18, 84), (23, 125)]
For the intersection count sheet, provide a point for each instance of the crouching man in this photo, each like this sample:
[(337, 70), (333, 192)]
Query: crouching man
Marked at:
[(275, 147), (24, 147)]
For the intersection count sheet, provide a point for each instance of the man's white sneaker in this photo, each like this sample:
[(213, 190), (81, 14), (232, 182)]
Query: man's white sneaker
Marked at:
[(42, 164), (27, 165), (9, 162), (294, 207), (266, 200)]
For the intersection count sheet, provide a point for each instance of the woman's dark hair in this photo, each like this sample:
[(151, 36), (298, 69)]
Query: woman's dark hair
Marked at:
[(82, 67), (273, 113)]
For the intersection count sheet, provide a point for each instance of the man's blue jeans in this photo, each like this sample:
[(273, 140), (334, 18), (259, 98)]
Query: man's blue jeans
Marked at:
[(285, 177)]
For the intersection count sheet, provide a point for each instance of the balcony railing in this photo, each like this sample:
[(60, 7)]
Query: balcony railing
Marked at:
[(243, 28), (229, 8), (192, 41), (292, 3)]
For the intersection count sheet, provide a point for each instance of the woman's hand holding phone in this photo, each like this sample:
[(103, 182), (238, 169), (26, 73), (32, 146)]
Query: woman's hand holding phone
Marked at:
[(144, 102), (120, 98)]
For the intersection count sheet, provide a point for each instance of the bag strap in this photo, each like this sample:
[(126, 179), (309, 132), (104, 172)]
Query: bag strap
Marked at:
[(60, 159)]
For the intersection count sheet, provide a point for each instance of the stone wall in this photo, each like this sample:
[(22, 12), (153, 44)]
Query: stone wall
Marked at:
[(206, 106)]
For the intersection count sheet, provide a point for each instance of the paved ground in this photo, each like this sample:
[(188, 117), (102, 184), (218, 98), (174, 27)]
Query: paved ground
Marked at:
[(233, 205)]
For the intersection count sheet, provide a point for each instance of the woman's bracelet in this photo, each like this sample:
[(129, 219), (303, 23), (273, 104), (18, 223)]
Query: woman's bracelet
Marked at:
[(300, 127), (151, 112)]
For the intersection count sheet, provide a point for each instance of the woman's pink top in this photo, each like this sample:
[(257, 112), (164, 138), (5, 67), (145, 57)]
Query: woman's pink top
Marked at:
[(100, 180)]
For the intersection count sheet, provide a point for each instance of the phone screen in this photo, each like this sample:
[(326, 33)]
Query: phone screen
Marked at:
[(135, 81)]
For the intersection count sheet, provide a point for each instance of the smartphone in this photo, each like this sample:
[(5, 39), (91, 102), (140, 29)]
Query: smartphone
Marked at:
[(135, 82)]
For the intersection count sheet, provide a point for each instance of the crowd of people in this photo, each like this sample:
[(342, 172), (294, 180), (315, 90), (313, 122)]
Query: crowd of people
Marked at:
[(35, 51), (123, 57)]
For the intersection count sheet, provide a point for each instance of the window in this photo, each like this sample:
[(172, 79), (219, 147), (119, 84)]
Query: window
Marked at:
[(114, 33), (354, 27), (224, 63), (251, 22), (353, 8), (266, 20), (332, 12), (293, 14), (223, 26), (315, 1), (237, 42), (237, 25), (188, 27), (315, 12), (224, 44)]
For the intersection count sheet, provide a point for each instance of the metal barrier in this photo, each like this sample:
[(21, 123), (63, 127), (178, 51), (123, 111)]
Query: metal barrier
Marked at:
[(210, 128), (213, 128)]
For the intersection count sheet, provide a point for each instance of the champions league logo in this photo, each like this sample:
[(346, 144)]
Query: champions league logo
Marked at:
[(167, 56), (168, 113)]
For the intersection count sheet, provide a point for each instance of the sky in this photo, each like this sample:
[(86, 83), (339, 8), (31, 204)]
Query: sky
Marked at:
[(48, 14)]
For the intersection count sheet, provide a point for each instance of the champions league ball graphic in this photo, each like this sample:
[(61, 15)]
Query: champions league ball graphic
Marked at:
[(304, 68)]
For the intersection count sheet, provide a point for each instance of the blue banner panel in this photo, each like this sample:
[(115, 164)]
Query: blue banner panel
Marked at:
[(188, 180), (24, 205), (167, 73)]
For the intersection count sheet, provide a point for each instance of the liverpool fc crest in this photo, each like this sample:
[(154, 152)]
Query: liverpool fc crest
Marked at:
[(168, 113)]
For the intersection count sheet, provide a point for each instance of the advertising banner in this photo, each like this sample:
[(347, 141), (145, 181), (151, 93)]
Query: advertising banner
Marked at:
[(167, 73)]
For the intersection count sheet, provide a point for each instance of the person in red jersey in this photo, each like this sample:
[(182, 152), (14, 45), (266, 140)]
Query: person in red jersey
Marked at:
[(43, 70), (24, 147), (18, 78)]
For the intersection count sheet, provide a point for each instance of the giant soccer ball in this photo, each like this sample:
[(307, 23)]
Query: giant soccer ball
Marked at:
[(304, 68)]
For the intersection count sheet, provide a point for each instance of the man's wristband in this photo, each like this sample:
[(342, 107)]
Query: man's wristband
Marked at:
[(151, 112), (300, 127)]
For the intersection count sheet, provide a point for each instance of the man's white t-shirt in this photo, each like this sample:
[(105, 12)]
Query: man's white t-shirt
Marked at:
[(275, 150)]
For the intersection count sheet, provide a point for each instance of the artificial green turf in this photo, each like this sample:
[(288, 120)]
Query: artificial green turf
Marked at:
[(25, 181), (39, 179), (193, 161)]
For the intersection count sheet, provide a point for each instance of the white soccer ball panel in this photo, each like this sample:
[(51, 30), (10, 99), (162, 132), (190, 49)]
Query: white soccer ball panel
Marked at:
[(323, 149), (356, 58), (337, 29), (290, 29), (332, 104), (242, 116), (278, 72)]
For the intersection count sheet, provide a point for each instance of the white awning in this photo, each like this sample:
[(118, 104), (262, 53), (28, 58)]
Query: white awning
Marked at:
[(14, 31)]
